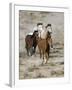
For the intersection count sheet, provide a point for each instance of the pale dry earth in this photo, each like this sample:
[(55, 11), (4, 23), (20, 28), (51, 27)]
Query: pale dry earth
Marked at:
[(31, 66)]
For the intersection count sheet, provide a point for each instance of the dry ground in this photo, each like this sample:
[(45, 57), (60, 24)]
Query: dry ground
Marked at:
[(31, 67)]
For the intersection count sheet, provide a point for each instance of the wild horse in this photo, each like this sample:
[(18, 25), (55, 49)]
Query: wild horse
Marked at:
[(31, 43)]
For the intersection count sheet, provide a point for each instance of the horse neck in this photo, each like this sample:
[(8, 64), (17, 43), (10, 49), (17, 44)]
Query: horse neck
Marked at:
[(33, 37), (43, 34)]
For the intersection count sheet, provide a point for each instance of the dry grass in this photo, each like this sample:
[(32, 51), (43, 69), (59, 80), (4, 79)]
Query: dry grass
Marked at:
[(31, 67)]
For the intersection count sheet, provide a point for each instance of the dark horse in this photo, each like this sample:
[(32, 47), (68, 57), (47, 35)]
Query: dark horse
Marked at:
[(31, 43)]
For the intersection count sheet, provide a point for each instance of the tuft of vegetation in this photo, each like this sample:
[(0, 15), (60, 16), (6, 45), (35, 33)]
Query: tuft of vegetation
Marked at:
[(57, 73), (40, 76), (31, 69)]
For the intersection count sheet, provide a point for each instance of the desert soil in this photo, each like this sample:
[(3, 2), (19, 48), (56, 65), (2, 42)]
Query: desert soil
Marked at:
[(31, 66)]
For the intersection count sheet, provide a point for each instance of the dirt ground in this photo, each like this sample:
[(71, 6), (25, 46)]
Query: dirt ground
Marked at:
[(31, 66)]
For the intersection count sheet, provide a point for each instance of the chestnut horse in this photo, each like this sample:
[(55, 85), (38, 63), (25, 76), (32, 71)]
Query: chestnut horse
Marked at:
[(44, 45)]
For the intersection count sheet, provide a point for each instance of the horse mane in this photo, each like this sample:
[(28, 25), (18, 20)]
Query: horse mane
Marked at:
[(34, 33)]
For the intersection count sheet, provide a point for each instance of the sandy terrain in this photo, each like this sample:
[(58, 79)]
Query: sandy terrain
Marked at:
[(31, 67)]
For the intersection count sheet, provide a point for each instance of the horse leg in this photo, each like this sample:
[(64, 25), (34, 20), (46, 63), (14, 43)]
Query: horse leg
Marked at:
[(34, 49), (46, 55), (48, 49), (40, 53), (51, 43), (43, 57), (27, 51), (31, 51)]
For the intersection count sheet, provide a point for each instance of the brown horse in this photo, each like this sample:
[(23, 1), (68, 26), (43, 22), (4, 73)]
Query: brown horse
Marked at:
[(44, 47), (31, 43)]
